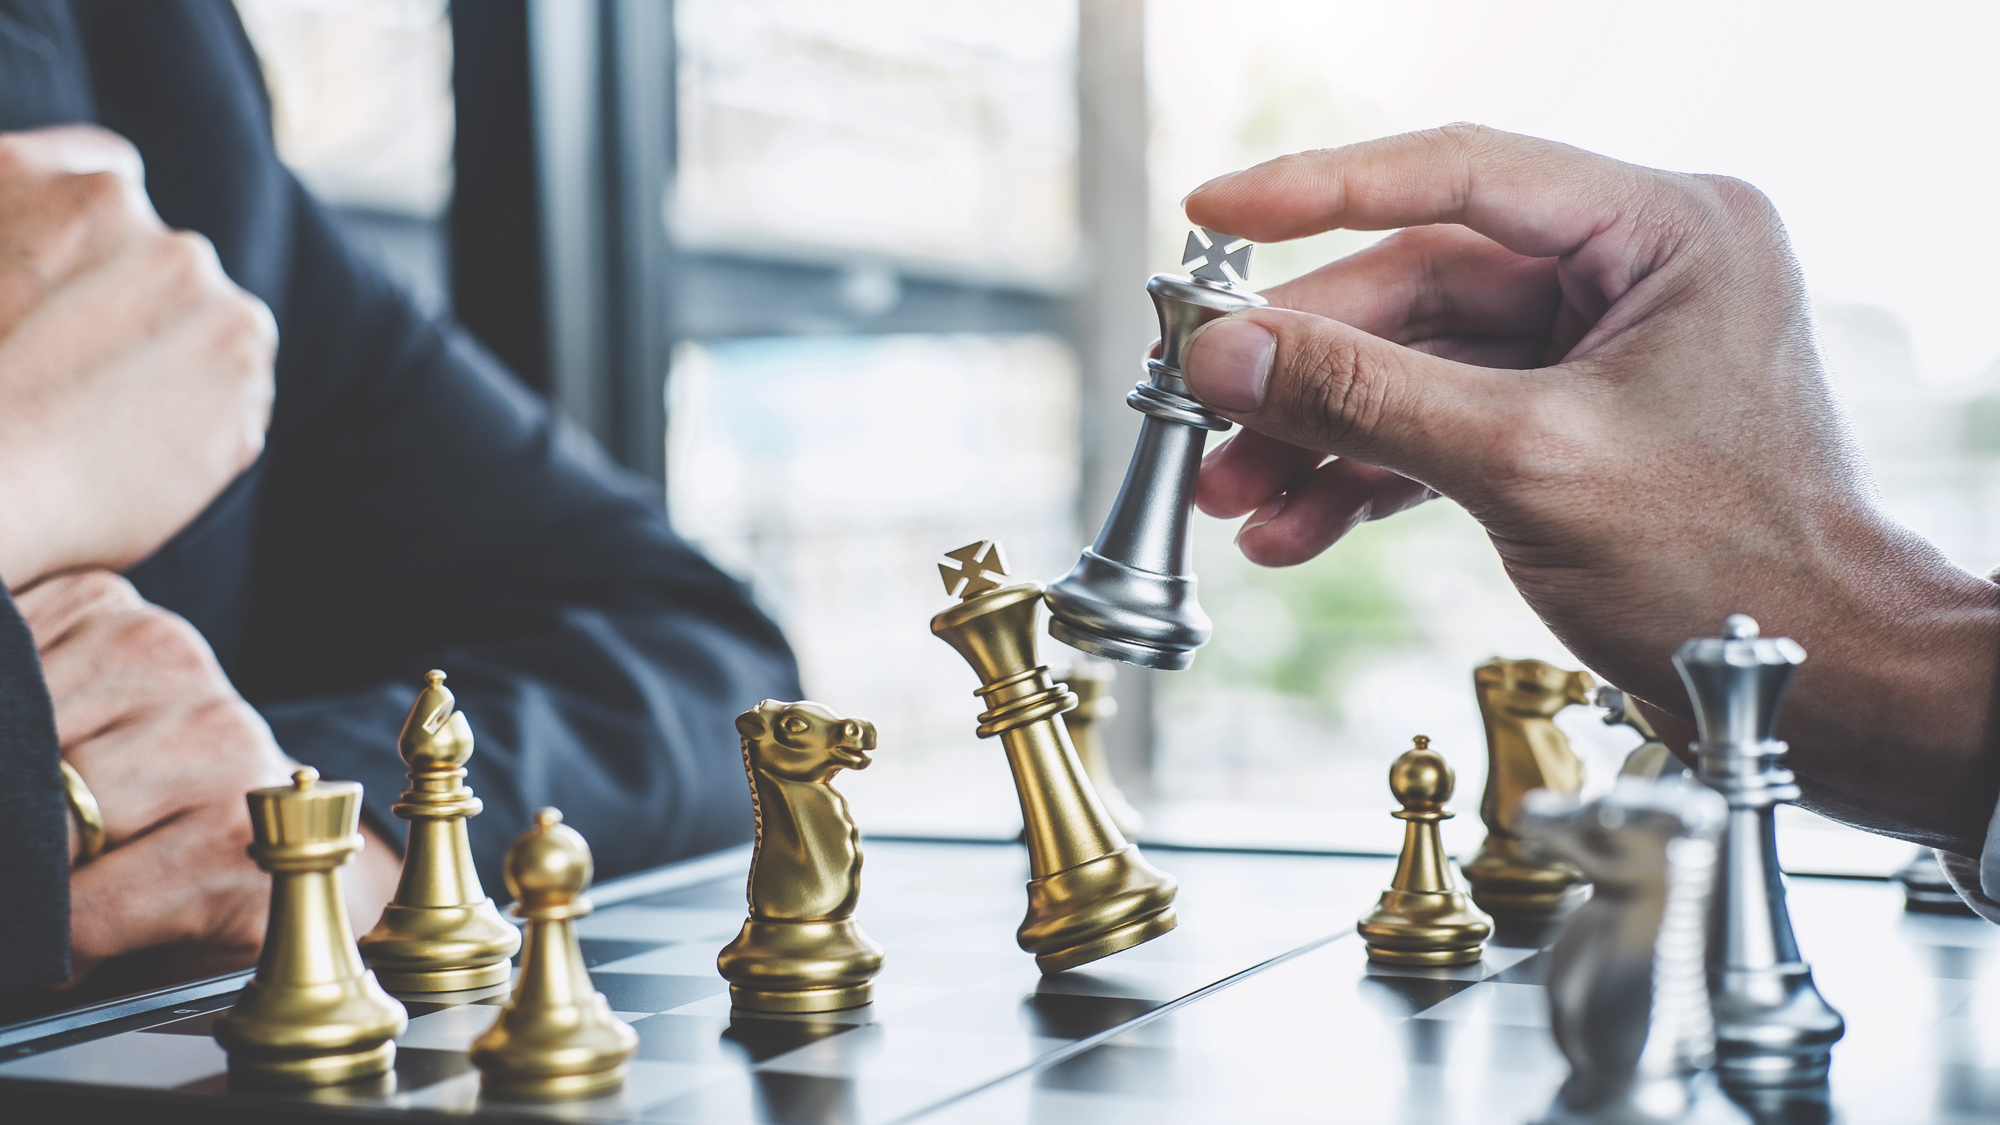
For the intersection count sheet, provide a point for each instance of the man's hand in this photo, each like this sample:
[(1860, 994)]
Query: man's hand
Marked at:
[(1613, 369), (149, 719), (135, 378)]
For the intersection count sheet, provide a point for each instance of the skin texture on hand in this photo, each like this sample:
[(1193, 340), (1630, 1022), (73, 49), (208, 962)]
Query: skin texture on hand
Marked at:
[(148, 718), (135, 377), (1613, 369)]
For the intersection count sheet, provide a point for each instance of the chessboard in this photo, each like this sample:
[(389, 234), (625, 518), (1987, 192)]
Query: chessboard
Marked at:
[(1260, 1007)]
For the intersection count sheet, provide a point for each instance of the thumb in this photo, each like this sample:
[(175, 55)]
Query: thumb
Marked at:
[(1323, 385)]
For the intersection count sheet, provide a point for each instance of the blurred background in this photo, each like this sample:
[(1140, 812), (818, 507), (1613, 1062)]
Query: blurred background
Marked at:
[(861, 282)]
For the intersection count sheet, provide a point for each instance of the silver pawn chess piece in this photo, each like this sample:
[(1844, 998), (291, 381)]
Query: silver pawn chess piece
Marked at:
[(1926, 890), (1772, 1028), (1131, 596), (1628, 984)]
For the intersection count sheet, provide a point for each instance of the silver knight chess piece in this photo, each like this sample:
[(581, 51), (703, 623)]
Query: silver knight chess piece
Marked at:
[(1628, 987), (1131, 597), (1772, 1028)]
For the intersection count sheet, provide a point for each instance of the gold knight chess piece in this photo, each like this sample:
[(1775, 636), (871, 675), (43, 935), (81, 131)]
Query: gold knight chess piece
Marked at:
[(1423, 918), (1525, 751), (1090, 680), (441, 933), (1092, 893), (801, 950), (313, 1015), (556, 1037)]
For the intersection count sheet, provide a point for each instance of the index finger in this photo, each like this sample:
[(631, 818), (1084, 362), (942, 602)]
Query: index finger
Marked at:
[(1535, 197)]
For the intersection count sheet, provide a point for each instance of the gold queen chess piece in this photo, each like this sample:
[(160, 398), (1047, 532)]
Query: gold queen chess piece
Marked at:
[(441, 933), (1423, 918), (1092, 893), (556, 1037), (1525, 751), (800, 950), (1131, 596), (313, 1015)]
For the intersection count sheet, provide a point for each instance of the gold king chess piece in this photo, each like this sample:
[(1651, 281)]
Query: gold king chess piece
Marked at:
[(1525, 750), (1092, 893), (441, 933), (556, 1037), (800, 950), (313, 1015), (1423, 918), (1090, 681)]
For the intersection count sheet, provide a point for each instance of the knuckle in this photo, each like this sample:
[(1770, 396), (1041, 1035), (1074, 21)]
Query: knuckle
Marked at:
[(1342, 389), (184, 257), (163, 640)]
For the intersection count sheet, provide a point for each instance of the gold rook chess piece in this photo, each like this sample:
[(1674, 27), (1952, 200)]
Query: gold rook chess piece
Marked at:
[(441, 933), (1423, 918), (556, 1037), (1090, 681), (800, 950), (1525, 751), (313, 1015), (1092, 893)]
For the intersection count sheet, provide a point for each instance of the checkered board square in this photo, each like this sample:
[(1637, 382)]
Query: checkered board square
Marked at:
[(1261, 1007)]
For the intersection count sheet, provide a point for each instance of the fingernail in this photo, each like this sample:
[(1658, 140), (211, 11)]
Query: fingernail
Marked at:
[(1263, 515), (1228, 362)]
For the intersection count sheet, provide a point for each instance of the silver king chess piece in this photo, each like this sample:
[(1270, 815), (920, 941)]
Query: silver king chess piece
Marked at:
[(1131, 596), (1628, 986), (1772, 1028)]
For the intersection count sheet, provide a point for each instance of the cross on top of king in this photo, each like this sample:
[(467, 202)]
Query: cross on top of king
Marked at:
[(1220, 264)]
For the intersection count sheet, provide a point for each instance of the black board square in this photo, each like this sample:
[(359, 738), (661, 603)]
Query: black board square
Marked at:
[(1528, 970), (417, 1067), (1115, 1068), (203, 1024), (725, 894), (603, 951), (644, 992), (1402, 997), (759, 1040)]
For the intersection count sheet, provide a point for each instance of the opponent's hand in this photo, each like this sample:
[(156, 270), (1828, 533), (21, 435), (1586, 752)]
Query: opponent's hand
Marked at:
[(135, 378), (1613, 370), (147, 716)]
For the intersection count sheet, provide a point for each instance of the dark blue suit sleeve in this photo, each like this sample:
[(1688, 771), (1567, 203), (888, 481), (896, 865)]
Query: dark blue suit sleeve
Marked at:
[(34, 833)]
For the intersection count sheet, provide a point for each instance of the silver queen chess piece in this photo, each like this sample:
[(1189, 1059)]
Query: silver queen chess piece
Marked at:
[(1772, 1028), (1131, 596)]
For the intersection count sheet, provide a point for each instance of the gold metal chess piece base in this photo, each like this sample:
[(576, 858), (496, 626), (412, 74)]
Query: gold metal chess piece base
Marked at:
[(441, 933), (1423, 918), (801, 950), (1092, 894), (313, 1015), (1525, 751), (556, 1037)]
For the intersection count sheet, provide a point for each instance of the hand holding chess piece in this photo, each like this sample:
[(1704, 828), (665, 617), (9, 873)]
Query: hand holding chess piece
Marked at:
[(1092, 893), (1628, 987), (1423, 918), (441, 933), (801, 950), (1525, 751), (556, 1037), (313, 1015)]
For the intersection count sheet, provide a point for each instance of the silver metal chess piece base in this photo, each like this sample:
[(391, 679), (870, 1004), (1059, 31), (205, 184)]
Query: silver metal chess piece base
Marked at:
[(1131, 596)]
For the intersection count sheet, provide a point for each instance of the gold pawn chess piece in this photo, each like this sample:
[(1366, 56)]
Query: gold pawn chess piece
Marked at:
[(1423, 918), (313, 1015), (556, 1037), (1090, 680), (1092, 893), (1525, 751), (441, 933), (800, 950)]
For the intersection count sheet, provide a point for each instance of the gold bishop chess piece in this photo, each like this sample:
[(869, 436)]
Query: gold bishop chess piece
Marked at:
[(313, 1015), (1090, 681), (1092, 893), (1423, 918), (441, 933), (556, 1037), (800, 950), (1525, 751)]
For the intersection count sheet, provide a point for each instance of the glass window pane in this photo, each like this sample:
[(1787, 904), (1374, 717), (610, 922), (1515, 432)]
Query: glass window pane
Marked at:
[(912, 129), (834, 472)]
